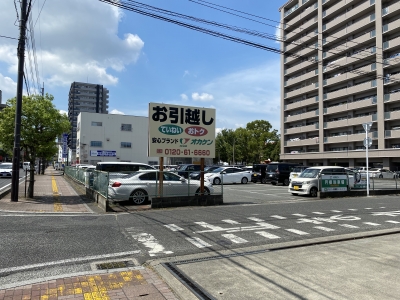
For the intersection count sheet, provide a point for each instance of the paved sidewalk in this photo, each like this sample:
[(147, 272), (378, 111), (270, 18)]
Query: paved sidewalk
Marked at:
[(51, 194), (129, 284)]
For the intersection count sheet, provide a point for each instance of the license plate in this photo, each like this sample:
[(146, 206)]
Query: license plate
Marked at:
[(254, 174), (294, 175), (296, 187)]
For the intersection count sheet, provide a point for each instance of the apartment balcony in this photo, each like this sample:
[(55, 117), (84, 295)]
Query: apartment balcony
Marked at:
[(391, 10), (391, 79), (363, 87), (303, 28), (394, 61), (359, 9), (302, 52), (305, 142), (302, 116), (334, 8), (392, 134), (303, 15), (392, 43), (362, 103), (349, 75), (387, 28), (301, 103), (302, 40), (392, 115), (357, 137), (391, 97), (350, 122), (300, 129), (335, 109), (302, 90), (300, 66), (334, 22), (301, 78)]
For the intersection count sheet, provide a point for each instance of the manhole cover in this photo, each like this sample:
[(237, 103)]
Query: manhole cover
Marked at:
[(114, 265)]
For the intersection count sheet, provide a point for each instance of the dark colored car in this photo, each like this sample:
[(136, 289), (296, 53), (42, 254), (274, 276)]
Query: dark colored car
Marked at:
[(196, 175), (185, 170), (279, 172)]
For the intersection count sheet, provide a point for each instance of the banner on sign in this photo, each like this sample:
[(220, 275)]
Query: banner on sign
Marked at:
[(181, 131), (333, 183), (64, 145), (103, 153)]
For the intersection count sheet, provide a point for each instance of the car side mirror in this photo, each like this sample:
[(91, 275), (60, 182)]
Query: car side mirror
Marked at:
[(223, 172), (183, 179)]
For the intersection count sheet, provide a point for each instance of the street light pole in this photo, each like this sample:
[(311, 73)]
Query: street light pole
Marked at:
[(367, 144), (18, 106)]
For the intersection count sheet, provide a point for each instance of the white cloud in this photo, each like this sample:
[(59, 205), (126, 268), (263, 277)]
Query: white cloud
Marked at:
[(184, 97), (202, 97), (186, 73), (278, 35), (8, 88), (116, 112), (85, 46), (63, 112)]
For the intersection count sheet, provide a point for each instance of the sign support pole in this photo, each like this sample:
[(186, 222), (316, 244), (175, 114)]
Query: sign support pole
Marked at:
[(366, 153), (160, 176)]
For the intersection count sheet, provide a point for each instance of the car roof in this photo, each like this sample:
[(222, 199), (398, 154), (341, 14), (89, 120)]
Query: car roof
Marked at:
[(326, 167)]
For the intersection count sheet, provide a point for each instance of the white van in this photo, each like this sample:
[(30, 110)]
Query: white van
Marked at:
[(26, 165), (307, 183)]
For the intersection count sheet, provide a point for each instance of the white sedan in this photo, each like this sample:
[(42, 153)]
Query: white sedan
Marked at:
[(141, 186), (5, 170), (381, 173), (227, 175)]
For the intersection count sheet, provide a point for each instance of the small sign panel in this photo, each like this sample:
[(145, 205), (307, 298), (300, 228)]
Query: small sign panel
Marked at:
[(103, 153), (333, 183)]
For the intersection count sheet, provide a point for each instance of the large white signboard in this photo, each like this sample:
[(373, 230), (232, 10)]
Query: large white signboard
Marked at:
[(181, 131)]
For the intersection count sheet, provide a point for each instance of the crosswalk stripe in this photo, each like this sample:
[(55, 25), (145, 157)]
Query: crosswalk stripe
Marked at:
[(299, 215), (267, 235), (368, 208), (349, 226), (324, 228), (212, 227), (255, 219), (394, 222), (278, 217), (230, 221), (199, 243), (174, 227), (149, 241), (234, 238), (336, 210), (353, 209), (318, 213), (373, 224), (299, 232)]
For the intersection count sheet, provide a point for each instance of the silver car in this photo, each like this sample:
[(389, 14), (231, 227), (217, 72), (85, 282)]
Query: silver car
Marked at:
[(382, 173), (142, 186), (5, 170)]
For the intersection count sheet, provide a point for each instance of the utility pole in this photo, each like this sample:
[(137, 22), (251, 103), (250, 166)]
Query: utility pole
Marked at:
[(43, 90), (18, 110)]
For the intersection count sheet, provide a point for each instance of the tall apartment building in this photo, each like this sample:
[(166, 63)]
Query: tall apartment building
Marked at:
[(84, 97), (340, 69)]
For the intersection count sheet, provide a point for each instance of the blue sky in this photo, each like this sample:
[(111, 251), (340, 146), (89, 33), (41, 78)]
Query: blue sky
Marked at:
[(141, 59)]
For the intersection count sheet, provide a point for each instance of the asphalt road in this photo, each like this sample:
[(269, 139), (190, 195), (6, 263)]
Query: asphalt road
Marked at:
[(4, 182), (254, 215)]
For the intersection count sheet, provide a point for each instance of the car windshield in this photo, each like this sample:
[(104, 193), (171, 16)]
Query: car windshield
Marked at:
[(272, 168), (309, 173), (6, 166), (298, 169)]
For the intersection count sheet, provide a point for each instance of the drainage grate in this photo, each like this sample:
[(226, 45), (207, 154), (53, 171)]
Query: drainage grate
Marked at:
[(114, 265)]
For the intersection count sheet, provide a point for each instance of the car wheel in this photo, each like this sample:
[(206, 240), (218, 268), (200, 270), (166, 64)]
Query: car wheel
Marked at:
[(294, 194), (381, 176), (138, 197), (286, 181), (206, 191), (263, 180), (216, 181), (244, 180), (314, 192)]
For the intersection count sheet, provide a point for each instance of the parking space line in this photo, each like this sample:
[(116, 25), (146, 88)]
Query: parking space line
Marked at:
[(199, 243), (174, 227), (349, 226), (278, 217), (336, 211), (230, 221), (268, 235), (373, 224), (318, 213), (234, 238), (299, 232), (394, 222), (255, 219), (299, 215), (324, 228)]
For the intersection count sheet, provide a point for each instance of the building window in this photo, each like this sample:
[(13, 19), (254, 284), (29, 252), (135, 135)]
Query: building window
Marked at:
[(126, 127), (96, 144), (97, 123), (126, 145)]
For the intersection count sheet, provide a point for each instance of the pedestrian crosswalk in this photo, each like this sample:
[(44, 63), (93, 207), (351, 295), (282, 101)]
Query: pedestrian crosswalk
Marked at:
[(256, 228)]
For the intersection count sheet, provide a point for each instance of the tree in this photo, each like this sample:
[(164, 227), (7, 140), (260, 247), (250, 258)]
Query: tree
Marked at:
[(41, 124)]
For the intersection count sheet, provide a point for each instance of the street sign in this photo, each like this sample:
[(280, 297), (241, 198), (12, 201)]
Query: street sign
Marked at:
[(367, 126), (367, 142), (334, 183)]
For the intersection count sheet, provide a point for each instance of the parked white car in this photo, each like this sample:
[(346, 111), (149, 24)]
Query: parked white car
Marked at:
[(382, 173), (307, 183), (227, 175), (142, 186), (5, 170), (296, 171)]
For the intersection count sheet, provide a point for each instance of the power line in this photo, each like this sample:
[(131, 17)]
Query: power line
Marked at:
[(39, 13), (132, 6), (8, 37)]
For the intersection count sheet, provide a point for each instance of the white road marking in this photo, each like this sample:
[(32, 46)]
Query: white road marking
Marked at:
[(318, 213), (353, 209), (368, 208), (324, 228), (230, 221), (299, 232), (278, 217), (255, 219), (372, 224), (261, 225), (382, 207), (267, 225), (199, 243), (394, 222), (336, 211), (267, 235), (299, 215), (212, 227), (174, 227), (349, 226), (65, 261), (151, 242), (234, 238)]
